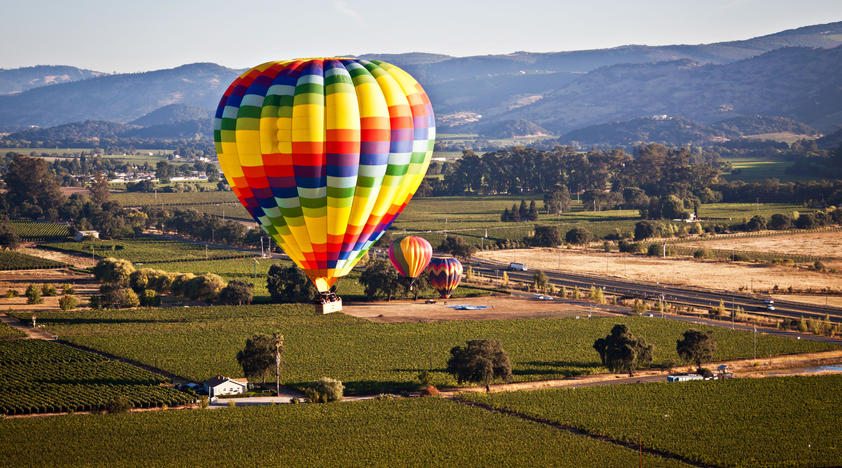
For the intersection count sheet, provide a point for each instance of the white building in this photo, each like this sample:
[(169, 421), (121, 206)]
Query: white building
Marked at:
[(222, 386)]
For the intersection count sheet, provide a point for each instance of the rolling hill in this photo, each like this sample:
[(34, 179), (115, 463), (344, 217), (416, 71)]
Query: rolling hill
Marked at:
[(17, 80), (792, 74)]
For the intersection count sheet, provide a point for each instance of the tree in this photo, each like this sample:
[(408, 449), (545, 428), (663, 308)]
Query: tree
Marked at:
[(806, 221), (756, 223), (457, 247), (481, 361), (116, 271), (31, 188), (644, 230), (257, 357), (278, 344), (540, 281), (33, 295), (379, 279), (204, 287), (696, 346), (164, 171), (557, 200), (115, 297), (780, 222), (578, 236), (546, 236), (99, 188), (523, 211), (289, 284), (236, 293), (621, 351), (532, 213), (8, 237)]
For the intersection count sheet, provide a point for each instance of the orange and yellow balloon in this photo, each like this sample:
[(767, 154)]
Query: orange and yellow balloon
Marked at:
[(410, 255), (324, 153)]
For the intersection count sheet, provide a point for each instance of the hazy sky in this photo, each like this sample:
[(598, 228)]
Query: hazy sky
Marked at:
[(138, 35)]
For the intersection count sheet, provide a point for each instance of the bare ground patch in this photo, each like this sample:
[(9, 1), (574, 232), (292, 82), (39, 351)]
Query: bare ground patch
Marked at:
[(676, 271), (499, 307)]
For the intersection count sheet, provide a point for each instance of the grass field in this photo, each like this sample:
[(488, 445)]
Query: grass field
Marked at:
[(758, 169), (146, 250), (10, 260), (45, 377), (412, 433), (748, 422), (200, 342)]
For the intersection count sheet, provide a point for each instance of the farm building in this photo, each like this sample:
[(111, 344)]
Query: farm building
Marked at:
[(79, 236), (221, 386)]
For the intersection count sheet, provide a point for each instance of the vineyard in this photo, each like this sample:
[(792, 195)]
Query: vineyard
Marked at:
[(173, 199), (47, 377), (751, 422), (10, 260), (148, 250), (38, 231), (9, 333), (200, 342), (409, 432)]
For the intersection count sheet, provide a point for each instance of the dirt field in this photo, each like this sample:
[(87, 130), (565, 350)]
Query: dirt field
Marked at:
[(679, 271), (83, 285), (78, 261), (499, 308), (819, 244), (833, 301)]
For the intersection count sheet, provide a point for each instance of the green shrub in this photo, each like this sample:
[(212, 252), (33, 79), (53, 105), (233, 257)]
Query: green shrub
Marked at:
[(149, 298), (12, 293), (68, 289), (33, 295), (68, 302), (325, 390), (701, 253), (47, 290), (120, 404)]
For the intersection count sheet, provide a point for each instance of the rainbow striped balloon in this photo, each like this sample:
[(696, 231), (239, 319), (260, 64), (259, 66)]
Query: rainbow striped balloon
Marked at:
[(324, 153), (410, 255), (445, 275)]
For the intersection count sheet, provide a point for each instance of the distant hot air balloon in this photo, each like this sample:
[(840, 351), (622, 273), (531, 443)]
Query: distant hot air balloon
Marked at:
[(410, 255), (445, 275), (324, 153)]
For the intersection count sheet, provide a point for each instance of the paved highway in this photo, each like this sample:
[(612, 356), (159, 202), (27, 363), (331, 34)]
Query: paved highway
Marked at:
[(703, 298)]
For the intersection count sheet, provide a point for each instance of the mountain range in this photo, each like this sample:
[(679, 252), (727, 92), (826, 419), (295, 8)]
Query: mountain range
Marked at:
[(791, 76)]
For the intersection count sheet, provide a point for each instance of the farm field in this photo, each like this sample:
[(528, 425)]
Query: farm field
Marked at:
[(10, 260), (679, 271), (146, 250), (46, 377), (199, 342), (188, 198), (416, 432), (818, 244), (751, 422), (33, 230), (753, 169), (9, 333)]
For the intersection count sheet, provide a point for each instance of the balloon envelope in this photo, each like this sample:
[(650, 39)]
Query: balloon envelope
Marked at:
[(410, 255), (445, 275), (324, 153)]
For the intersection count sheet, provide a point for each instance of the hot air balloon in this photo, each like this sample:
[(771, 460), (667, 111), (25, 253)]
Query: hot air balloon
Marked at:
[(410, 255), (324, 153), (445, 275)]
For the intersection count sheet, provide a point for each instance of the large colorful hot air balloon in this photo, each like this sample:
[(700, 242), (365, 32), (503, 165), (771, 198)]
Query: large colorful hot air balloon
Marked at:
[(410, 255), (324, 153), (445, 275)]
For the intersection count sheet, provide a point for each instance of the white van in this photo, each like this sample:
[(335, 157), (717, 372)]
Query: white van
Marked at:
[(517, 267)]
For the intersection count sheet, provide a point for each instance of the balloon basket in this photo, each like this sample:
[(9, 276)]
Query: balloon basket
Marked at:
[(328, 304)]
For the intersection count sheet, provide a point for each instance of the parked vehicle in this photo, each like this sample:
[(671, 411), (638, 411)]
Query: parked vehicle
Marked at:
[(517, 267)]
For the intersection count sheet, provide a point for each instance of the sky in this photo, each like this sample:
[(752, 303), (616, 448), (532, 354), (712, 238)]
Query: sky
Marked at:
[(141, 35)]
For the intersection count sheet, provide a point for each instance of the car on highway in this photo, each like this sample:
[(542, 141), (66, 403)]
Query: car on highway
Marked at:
[(514, 266)]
